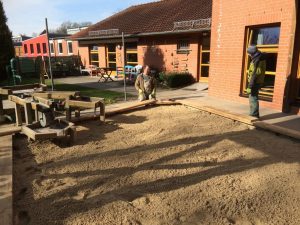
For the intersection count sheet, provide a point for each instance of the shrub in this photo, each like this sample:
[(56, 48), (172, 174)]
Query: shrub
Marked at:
[(174, 79), (6, 45)]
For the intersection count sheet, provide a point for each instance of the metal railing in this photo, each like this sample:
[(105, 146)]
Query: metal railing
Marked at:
[(192, 24), (104, 32)]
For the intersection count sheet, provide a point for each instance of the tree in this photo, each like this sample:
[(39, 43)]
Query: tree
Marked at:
[(7, 50), (62, 29)]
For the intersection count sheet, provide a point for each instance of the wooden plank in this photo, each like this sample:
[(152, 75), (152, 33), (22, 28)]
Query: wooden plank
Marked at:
[(28, 132), (42, 100), (81, 104), (56, 94), (111, 112), (278, 129), (130, 107), (224, 113), (17, 100), (5, 91), (92, 103), (6, 198), (9, 130)]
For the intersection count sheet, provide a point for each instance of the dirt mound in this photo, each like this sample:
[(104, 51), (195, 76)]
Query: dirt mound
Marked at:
[(163, 165)]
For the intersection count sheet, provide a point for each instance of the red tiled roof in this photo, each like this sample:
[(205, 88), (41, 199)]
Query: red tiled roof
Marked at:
[(152, 17)]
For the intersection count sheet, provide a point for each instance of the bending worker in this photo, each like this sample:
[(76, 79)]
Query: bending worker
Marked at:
[(145, 84), (256, 76)]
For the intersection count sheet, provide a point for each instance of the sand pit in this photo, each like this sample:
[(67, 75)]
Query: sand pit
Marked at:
[(164, 165)]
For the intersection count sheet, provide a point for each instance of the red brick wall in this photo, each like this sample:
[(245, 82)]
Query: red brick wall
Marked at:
[(43, 39), (34, 41), (229, 20), (158, 52), (84, 54)]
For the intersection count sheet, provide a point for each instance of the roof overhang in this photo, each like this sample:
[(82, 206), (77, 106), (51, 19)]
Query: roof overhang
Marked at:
[(142, 35)]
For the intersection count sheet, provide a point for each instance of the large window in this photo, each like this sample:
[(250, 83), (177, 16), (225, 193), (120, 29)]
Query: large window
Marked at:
[(70, 47), (204, 58), (31, 49), (266, 38), (94, 55), (131, 54), (52, 47), (38, 47), (44, 48), (25, 48), (60, 47)]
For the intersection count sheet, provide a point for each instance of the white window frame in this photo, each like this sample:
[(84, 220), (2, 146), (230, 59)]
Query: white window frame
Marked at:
[(62, 49), (70, 53), (51, 43)]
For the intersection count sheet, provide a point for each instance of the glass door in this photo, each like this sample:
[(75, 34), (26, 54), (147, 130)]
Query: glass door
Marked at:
[(204, 59), (298, 80), (111, 58), (266, 38)]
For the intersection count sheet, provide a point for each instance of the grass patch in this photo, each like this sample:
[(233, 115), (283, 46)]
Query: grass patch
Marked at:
[(109, 96)]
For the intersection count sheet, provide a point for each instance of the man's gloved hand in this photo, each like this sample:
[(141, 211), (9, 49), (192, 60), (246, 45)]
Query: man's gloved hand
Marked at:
[(151, 97), (248, 90), (140, 91)]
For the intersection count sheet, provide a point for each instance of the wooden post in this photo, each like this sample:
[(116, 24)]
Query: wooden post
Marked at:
[(28, 113), (68, 113), (77, 113), (18, 114), (102, 112), (2, 119)]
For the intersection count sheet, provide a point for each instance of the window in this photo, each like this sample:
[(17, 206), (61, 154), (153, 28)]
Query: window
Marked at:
[(44, 48), (266, 39), (38, 47), (183, 46), (52, 47), (131, 54), (94, 55), (31, 49), (70, 47), (59, 47), (25, 48)]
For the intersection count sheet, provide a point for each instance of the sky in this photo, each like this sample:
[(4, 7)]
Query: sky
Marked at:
[(28, 16)]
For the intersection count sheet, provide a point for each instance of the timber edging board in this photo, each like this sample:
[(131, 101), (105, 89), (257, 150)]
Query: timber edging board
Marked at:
[(220, 112), (6, 197), (278, 129)]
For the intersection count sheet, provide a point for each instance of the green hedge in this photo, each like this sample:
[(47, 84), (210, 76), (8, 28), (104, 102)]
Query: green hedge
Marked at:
[(174, 79)]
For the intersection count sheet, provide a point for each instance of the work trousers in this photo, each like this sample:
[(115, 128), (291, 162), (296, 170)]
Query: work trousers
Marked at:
[(253, 101)]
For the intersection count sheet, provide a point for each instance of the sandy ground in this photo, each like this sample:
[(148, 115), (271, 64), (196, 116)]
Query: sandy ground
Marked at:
[(164, 165)]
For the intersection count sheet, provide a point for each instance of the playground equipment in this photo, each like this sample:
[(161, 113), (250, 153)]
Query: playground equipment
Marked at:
[(42, 110)]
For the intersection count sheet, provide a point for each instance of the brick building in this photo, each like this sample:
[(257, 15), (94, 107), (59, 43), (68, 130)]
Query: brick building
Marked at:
[(272, 26), (60, 45), (17, 40), (167, 35)]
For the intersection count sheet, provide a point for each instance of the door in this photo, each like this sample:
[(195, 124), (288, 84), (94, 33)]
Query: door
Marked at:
[(111, 58), (204, 59)]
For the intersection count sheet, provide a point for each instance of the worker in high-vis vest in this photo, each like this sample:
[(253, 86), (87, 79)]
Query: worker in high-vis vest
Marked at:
[(256, 76), (145, 84)]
